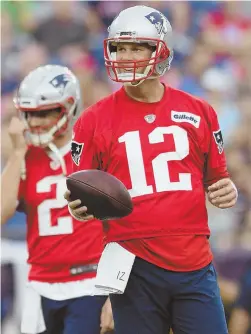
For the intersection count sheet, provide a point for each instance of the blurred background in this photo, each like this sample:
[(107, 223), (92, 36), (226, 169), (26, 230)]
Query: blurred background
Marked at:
[(212, 60)]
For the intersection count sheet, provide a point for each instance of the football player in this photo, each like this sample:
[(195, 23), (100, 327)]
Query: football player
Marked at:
[(166, 146), (63, 252)]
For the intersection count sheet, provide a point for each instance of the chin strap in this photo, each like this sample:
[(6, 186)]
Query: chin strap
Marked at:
[(55, 150)]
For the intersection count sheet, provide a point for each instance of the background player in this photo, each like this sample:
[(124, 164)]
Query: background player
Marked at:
[(63, 253)]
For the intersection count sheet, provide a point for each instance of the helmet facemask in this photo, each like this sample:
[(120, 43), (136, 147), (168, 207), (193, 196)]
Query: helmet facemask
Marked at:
[(160, 54), (41, 137)]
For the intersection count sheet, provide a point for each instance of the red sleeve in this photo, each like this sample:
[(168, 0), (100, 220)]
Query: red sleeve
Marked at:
[(84, 150), (215, 166)]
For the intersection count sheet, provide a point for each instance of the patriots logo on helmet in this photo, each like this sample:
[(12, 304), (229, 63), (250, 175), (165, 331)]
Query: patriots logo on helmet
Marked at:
[(76, 151), (60, 82), (157, 20)]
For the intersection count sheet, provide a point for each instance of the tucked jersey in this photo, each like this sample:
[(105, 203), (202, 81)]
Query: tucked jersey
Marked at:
[(60, 248), (165, 153)]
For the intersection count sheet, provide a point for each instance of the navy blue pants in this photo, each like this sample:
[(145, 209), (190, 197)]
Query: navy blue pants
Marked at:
[(73, 316), (156, 300)]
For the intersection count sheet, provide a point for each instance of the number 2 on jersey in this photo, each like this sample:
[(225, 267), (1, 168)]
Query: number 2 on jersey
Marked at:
[(159, 164), (64, 224)]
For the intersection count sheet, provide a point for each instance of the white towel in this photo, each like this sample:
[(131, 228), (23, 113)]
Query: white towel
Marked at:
[(32, 317), (114, 269)]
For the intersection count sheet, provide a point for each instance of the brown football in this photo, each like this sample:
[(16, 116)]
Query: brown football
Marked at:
[(104, 195)]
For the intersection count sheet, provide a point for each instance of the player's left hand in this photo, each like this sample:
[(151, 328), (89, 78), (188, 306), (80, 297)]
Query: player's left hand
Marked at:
[(222, 194), (106, 320)]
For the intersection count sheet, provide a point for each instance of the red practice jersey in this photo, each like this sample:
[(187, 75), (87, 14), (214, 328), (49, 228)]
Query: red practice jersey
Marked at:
[(60, 248), (165, 153)]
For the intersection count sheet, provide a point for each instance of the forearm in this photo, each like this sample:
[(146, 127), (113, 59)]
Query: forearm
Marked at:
[(10, 180)]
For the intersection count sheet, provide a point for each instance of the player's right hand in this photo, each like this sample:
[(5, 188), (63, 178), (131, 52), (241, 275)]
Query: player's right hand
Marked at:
[(79, 212), (16, 131)]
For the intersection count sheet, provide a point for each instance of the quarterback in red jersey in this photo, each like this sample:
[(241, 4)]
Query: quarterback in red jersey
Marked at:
[(63, 252), (167, 148)]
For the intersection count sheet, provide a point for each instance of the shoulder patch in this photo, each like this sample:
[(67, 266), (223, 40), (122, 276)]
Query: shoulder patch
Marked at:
[(219, 140), (76, 151)]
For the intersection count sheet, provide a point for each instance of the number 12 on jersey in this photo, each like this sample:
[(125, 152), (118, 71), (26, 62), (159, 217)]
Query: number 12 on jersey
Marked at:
[(159, 164)]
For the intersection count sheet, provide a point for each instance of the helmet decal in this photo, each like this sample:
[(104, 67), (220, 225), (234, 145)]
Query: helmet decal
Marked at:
[(157, 20), (60, 82)]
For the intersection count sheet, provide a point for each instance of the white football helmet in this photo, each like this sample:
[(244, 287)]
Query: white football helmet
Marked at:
[(139, 24), (45, 88)]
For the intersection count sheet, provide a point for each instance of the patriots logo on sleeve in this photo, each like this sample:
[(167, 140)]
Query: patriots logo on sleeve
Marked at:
[(157, 20), (219, 140), (60, 82), (76, 151)]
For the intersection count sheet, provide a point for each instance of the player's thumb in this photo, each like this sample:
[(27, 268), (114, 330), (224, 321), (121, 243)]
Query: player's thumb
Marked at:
[(67, 195)]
